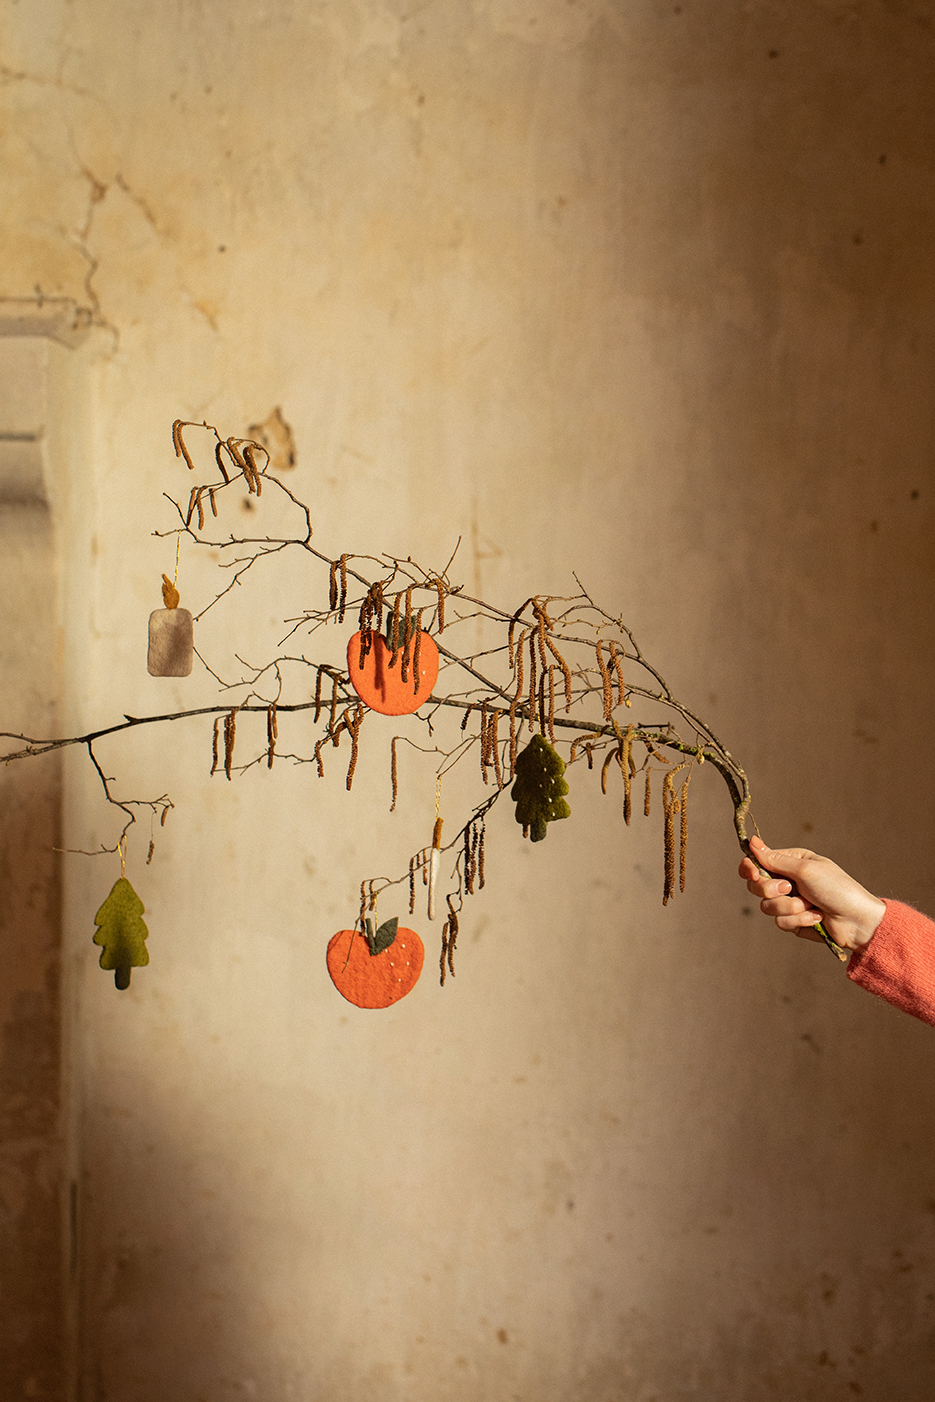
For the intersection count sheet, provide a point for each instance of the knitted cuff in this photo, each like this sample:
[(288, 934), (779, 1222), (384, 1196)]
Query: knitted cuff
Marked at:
[(899, 962)]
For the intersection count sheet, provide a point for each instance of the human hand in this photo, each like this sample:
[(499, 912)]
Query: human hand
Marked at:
[(825, 893)]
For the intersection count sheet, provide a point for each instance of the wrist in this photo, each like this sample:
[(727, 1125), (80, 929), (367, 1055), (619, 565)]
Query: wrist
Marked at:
[(868, 922)]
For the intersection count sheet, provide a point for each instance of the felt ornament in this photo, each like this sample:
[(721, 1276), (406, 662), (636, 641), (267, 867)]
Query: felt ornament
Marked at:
[(170, 595), (392, 680), (171, 637), (122, 932), (375, 969), (539, 787), (435, 856), (434, 862)]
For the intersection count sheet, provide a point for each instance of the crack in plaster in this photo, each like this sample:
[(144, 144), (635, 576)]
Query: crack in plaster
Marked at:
[(20, 75), (203, 309), (138, 200), (92, 313), (81, 237), (97, 191)]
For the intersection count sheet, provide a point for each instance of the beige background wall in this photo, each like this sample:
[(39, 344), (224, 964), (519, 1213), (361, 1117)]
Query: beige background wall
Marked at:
[(643, 290)]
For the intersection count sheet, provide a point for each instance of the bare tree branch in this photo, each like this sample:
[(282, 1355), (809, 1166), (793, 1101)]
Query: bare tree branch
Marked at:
[(559, 667)]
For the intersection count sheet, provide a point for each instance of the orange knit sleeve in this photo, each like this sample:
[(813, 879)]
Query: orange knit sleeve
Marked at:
[(899, 962)]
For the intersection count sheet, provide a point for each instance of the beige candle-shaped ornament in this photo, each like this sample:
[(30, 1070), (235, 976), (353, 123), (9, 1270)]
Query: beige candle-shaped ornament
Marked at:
[(434, 860), (171, 637)]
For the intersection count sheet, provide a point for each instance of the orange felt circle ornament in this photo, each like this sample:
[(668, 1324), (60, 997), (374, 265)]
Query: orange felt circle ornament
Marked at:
[(392, 688), (375, 980)]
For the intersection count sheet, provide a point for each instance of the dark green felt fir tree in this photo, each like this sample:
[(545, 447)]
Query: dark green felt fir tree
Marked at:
[(539, 787), (122, 932)]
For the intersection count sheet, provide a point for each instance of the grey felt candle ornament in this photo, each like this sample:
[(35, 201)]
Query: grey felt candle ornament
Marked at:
[(171, 637)]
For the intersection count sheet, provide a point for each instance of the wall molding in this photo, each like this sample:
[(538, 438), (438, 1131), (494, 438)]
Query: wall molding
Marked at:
[(59, 318)]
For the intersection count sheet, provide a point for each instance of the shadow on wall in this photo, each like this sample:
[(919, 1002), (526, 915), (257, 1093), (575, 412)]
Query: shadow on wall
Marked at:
[(828, 1220), (802, 1173), (826, 1246), (170, 1307), (32, 1249), (179, 1299)]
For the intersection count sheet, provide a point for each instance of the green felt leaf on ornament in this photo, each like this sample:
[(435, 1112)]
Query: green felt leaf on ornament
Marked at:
[(539, 787), (122, 932), (384, 936)]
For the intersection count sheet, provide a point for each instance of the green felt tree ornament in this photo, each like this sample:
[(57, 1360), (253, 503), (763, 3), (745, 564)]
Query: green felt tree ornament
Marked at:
[(539, 787), (122, 932)]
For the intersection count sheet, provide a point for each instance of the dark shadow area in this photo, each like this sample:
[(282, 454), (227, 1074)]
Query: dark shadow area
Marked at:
[(32, 1253)]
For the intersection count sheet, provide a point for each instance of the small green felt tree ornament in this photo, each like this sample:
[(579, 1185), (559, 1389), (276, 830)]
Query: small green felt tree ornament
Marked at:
[(122, 932), (539, 787)]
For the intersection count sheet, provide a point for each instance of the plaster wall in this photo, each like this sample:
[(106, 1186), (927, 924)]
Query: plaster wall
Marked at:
[(643, 291)]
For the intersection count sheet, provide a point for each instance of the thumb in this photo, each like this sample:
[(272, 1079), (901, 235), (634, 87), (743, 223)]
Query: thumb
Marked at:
[(780, 861)]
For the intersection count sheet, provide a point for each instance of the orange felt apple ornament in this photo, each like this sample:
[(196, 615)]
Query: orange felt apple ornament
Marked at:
[(393, 681), (375, 970)]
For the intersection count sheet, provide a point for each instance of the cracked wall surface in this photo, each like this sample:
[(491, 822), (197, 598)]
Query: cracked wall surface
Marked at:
[(644, 290)]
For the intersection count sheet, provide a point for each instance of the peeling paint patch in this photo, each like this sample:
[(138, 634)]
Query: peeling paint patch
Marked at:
[(277, 438)]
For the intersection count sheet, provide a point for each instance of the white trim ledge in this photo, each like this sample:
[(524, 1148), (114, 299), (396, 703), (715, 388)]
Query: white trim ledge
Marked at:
[(59, 318)]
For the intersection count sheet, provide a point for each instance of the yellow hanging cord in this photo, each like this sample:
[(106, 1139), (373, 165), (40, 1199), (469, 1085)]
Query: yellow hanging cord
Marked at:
[(437, 834), (121, 848), (170, 593)]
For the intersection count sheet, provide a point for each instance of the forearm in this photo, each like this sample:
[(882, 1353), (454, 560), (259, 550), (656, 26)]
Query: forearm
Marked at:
[(898, 963)]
